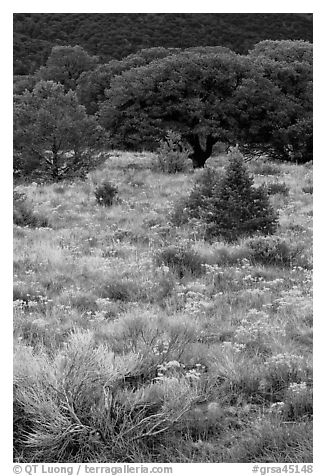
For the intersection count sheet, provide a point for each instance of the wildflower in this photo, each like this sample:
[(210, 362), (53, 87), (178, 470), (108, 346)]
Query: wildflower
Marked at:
[(277, 407)]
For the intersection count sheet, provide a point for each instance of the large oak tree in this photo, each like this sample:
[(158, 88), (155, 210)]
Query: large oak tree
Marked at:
[(205, 94)]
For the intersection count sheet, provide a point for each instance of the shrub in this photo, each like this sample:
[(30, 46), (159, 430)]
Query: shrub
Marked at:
[(172, 155), (162, 288), (230, 207), (281, 370), (157, 338), (222, 255), (198, 204), (298, 401), (270, 441), (278, 187), (120, 289), (24, 214), (268, 250), (105, 194), (240, 209), (180, 260), (77, 406)]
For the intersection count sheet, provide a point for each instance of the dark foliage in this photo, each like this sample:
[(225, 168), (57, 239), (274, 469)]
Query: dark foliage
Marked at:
[(278, 188), (117, 35), (182, 261), (229, 206), (53, 137), (105, 194), (287, 135)]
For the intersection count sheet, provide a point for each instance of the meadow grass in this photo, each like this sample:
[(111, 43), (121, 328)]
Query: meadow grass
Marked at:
[(137, 341)]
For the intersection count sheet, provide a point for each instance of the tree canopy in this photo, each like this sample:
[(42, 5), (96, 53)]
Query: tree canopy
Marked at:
[(92, 84), (202, 94), (65, 64), (52, 132), (115, 36), (289, 66), (209, 95)]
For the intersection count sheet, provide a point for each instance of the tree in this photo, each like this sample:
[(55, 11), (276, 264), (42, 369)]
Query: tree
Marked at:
[(288, 65), (65, 64), (230, 205), (23, 82), (198, 93), (92, 84), (52, 132)]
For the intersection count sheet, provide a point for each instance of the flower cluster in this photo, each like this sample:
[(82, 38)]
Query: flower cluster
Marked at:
[(277, 407), (173, 369), (161, 347), (257, 327), (282, 369), (298, 388), (233, 346)]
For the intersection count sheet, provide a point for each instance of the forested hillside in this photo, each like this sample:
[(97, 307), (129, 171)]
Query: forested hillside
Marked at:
[(117, 35)]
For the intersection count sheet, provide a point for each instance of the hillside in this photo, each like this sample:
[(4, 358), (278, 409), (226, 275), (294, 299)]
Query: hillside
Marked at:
[(117, 35), (122, 357)]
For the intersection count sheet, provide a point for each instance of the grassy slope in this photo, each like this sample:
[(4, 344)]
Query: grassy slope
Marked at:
[(89, 286)]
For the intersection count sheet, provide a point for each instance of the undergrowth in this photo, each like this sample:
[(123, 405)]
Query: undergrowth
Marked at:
[(141, 334)]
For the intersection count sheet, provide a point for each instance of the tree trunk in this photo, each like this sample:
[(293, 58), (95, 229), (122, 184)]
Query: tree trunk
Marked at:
[(200, 155)]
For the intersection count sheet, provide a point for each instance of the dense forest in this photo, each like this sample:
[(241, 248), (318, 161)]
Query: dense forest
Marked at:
[(118, 35)]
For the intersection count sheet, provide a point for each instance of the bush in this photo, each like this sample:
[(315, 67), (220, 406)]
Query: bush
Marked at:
[(274, 251), (155, 338), (180, 260), (172, 155), (231, 207), (77, 407), (278, 187), (124, 290), (197, 204), (105, 194), (24, 214), (281, 370)]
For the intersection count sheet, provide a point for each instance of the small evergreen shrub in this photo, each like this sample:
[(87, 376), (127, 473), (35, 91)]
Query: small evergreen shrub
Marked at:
[(278, 187), (105, 194), (172, 155), (180, 260), (24, 214), (231, 207), (268, 250), (197, 205)]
